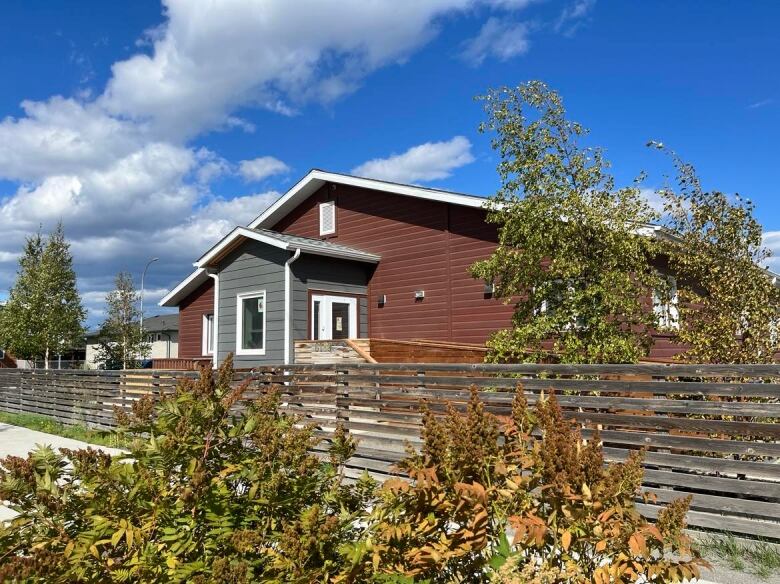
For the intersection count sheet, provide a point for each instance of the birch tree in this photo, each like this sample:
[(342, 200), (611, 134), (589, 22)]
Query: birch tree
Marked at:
[(571, 254), (729, 304), (44, 314), (121, 342)]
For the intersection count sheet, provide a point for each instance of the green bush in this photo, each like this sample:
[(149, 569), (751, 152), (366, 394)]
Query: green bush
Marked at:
[(213, 492), (208, 496)]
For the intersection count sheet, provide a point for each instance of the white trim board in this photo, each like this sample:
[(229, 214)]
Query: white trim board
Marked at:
[(184, 288), (315, 247), (317, 178)]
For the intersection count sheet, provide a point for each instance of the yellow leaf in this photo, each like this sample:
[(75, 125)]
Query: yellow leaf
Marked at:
[(566, 540), (586, 491), (117, 536)]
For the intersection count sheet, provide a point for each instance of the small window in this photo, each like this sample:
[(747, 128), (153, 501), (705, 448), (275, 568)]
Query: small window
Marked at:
[(665, 305), (250, 329), (327, 218), (208, 335)]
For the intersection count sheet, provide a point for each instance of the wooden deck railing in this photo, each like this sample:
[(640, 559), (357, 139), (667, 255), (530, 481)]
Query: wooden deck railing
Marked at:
[(712, 431)]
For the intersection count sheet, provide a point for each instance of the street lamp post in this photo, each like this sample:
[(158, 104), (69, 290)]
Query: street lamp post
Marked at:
[(143, 275)]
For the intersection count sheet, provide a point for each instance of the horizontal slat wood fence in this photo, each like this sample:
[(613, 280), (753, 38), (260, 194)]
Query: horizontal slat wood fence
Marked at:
[(712, 431)]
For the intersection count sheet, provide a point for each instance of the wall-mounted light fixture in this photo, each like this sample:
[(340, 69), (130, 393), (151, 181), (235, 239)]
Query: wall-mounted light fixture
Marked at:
[(381, 300), (490, 289), (419, 294)]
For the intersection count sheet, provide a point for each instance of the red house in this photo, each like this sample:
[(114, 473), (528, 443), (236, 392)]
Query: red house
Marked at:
[(342, 257)]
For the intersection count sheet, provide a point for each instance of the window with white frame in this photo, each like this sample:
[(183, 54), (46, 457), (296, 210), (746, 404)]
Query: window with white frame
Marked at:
[(665, 304), (250, 323), (208, 335), (328, 218)]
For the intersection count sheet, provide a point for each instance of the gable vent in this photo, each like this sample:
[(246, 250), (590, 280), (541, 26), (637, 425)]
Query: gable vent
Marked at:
[(327, 218)]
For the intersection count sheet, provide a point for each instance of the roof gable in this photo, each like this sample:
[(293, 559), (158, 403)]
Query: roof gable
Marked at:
[(315, 179), (283, 241)]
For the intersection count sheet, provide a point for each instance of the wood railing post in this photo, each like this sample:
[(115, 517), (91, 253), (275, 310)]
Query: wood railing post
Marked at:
[(342, 395)]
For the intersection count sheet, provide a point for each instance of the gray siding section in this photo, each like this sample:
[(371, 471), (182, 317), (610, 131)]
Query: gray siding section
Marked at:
[(311, 272), (254, 266)]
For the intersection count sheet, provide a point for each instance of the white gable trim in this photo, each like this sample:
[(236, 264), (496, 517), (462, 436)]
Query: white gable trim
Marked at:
[(316, 178), (282, 244), (231, 237), (183, 290)]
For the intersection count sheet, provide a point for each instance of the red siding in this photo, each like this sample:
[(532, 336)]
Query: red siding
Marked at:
[(425, 245), (191, 312)]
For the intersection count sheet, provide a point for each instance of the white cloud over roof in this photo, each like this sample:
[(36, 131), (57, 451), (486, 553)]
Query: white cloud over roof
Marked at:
[(425, 162), (119, 167)]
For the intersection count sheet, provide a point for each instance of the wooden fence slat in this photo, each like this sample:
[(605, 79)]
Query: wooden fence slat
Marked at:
[(694, 421)]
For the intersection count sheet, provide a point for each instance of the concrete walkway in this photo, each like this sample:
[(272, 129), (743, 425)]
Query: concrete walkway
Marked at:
[(19, 441)]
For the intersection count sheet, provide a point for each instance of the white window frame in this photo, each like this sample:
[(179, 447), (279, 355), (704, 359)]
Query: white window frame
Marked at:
[(668, 311), (331, 206), (204, 346), (240, 322)]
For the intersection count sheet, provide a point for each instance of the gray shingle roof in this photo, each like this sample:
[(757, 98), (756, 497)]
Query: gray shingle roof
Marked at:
[(318, 245), (163, 322)]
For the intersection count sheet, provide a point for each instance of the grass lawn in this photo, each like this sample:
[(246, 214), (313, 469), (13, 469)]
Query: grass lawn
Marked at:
[(50, 426)]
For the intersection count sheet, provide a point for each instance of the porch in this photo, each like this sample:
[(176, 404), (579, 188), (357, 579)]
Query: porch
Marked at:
[(362, 350)]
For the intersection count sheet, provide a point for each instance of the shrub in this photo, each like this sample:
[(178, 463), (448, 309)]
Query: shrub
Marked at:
[(209, 495), (218, 489), (521, 510)]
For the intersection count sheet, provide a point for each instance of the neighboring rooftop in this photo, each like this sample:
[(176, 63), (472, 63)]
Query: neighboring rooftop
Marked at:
[(161, 323)]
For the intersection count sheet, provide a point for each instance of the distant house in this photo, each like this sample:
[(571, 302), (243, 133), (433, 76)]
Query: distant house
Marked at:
[(162, 333), (342, 257)]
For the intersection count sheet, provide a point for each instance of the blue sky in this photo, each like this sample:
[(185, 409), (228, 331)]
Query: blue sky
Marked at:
[(151, 129)]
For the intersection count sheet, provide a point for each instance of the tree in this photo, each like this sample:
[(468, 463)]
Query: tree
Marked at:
[(44, 314), (572, 254), (729, 305), (120, 337)]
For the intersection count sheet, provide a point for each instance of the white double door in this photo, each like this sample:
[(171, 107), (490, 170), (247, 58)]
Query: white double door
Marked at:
[(333, 317)]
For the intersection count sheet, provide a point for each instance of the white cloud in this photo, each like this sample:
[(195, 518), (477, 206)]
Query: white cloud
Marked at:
[(653, 198), (426, 162), (212, 56), (574, 16), (261, 168), (120, 167), (498, 39), (761, 103), (6, 256), (772, 242)]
